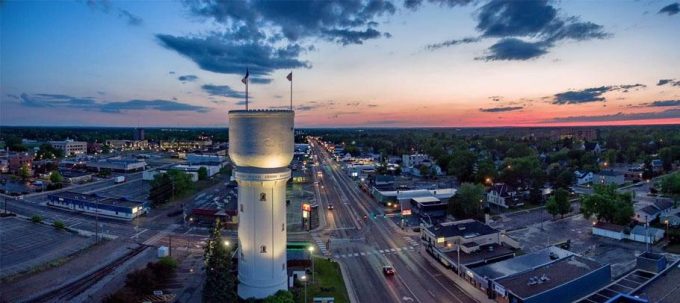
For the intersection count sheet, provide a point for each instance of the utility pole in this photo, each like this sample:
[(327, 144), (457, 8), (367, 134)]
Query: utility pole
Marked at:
[(170, 245)]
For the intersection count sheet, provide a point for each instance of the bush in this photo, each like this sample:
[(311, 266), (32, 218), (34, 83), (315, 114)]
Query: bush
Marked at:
[(36, 219), (58, 225)]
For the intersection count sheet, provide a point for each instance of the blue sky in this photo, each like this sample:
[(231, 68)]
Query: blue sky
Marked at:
[(355, 63)]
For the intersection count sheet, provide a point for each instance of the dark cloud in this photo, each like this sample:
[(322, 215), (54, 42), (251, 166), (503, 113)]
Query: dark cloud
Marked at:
[(89, 103), (260, 80), (496, 98), (593, 94), (664, 103), (500, 109), (217, 53), (415, 4), (268, 35), (527, 29), (672, 82), (436, 46), (105, 6), (222, 90), (670, 9), (515, 49), (187, 78), (667, 114)]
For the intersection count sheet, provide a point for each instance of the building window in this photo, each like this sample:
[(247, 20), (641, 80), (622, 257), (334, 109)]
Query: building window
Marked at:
[(241, 207), (263, 249), (283, 266), (263, 197), (283, 226)]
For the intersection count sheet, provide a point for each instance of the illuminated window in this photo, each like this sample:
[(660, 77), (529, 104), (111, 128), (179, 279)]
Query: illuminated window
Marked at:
[(263, 249)]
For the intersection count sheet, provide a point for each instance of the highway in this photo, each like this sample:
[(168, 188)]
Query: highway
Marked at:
[(363, 246)]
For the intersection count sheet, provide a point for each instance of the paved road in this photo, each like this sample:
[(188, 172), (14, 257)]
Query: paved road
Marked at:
[(365, 245)]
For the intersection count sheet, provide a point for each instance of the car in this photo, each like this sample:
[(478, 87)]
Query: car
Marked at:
[(388, 270), (330, 206)]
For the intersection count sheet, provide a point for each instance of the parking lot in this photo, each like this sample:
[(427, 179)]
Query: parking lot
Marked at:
[(620, 254), (26, 245)]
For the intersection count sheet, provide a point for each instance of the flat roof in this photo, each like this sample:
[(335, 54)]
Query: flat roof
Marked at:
[(465, 229), (517, 264), (625, 285), (484, 254), (664, 287), (93, 198), (557, 273), (425, 200)]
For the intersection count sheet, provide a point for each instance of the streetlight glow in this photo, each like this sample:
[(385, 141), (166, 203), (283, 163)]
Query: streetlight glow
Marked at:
[(226, 243)]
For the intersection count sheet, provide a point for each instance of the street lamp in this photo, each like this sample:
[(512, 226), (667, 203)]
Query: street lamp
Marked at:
[(226, 243), (311, 256), (304, 280)]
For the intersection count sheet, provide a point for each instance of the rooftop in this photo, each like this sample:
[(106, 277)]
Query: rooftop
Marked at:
[(486, 253), (520, 264), (532, 282), (664, 287), (96, 199), (426, 200), (465, 229)]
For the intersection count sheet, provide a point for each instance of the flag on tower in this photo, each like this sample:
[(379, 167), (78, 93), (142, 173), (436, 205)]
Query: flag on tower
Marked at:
[(290, 76), (245, 79)]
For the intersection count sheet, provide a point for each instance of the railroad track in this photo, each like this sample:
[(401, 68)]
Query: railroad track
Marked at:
[(71, 290)]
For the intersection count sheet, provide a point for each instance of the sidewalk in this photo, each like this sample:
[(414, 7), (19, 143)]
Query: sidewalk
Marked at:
[(466, 287)]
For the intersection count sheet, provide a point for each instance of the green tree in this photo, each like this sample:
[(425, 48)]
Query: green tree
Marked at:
[(521, 172), (219, 281), (558, 204), (24, 172), (36, 219), (467, 202), (56, 177), (608, 205), (425, 170), (565, 179), (462, 165), (166, 185), (281, 296), (202, 173), (47, 151), (670, 185)]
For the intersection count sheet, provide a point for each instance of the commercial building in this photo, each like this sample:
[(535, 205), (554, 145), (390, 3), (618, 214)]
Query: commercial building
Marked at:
[(117, 164), (562, 281), (70, 147), (128, 144), (484, 277), (385, 196), (663, 288), (184, 145), (17, 160), (467, 243), (93, 204), (196, 158), (75, 177), (138, 134), (429, 207), (414, 160)]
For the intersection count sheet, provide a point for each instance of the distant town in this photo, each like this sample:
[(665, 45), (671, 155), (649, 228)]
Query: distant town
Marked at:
[(584, 214)]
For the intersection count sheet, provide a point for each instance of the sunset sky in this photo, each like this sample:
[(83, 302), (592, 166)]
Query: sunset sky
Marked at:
[(356, 63)]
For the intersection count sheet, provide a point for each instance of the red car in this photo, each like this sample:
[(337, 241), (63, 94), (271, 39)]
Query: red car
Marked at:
[(388, 270)]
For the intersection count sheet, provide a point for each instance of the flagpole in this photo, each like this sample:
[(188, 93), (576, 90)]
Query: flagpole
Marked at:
[(291, 93)]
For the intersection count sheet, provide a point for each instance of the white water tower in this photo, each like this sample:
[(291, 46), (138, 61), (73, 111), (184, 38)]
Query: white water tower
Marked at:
[(261, 146)]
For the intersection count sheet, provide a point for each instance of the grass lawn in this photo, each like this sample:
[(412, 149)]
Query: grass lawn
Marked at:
[(327, 275)]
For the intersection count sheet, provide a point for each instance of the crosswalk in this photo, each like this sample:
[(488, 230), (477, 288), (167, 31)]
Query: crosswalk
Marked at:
[(321, 244), (386, 251), (411, 241)]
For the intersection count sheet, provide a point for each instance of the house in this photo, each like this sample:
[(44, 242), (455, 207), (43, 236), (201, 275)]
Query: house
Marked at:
[(504, 196), (671, 219), (657, 166), (608, 177), (645, 214), (593, 147), (583, 178), (644, 234), (413, 160)]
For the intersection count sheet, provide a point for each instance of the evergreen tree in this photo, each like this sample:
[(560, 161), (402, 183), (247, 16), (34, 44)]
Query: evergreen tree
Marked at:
[(219, 284)]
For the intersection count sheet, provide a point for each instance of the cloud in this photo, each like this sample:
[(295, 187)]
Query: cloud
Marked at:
[(222, 90), (105, 7), (269, 35), (670, 9), (415, 4), (667, 114), (187, 78), (89, 103), (515, 49), (664, 103), (526, 29), (260, 80), (500, 109), (436, 46), (593, 94), (217, 53), (672, 82)]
